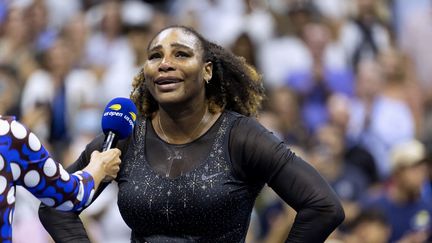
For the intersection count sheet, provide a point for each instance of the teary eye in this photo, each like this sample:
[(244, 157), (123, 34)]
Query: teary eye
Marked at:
[(182, 54), (154, 56)]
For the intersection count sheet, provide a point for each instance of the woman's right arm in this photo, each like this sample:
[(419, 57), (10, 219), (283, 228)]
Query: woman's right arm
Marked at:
[(67, 226)]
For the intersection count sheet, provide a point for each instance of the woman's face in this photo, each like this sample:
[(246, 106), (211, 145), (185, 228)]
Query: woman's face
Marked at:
[(174, 70)]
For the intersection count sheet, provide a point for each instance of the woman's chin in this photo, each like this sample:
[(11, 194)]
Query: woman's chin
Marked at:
[(172, 97)]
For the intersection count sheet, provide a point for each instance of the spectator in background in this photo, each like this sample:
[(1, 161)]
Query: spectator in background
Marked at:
[(355, 154), (335, 11), (369, 226), (59, 92), (292, 16), (415, 39), (137, 22), (364, 35), (224, 21), (348, 181), (108, 51), (409, 216), (402, 84), (284, 104), (245, 47), (15, 45), (279, 56), (41, 34), (10, 91), (76, 32), (315, 84), (60, 12), (380, 115), (257, 21)]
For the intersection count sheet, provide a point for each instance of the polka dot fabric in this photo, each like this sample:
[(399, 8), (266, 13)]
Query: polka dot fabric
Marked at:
[(24, 161)]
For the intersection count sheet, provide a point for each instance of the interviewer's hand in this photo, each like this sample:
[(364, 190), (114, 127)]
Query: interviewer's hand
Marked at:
[(110, 160), (104, 165)]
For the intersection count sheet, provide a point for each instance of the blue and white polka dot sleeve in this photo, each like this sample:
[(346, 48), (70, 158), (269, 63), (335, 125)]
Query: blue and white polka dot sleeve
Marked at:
[(30, 165)]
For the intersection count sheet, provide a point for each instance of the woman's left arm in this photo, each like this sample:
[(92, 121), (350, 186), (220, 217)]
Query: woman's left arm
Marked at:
[(259, 156)]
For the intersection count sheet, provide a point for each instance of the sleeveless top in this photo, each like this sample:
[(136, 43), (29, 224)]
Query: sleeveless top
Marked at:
[(206, 204)]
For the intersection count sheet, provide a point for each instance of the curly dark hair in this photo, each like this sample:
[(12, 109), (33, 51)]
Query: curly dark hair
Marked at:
[(235, 85)]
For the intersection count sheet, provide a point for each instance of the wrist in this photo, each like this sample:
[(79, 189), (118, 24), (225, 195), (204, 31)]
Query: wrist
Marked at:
[(96, 170)]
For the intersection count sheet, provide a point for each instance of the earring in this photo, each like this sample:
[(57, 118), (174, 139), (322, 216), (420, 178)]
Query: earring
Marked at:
[(207, 81)]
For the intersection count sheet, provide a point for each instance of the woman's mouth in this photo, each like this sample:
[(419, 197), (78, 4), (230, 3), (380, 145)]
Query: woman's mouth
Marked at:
[(166, 84)]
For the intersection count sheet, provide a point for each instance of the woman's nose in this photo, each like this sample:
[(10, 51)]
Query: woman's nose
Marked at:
[(166, 65)]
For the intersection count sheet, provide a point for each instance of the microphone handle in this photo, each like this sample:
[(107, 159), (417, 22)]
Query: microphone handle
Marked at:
[(110, 141)]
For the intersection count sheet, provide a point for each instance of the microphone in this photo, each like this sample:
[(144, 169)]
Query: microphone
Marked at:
[(118, 121)]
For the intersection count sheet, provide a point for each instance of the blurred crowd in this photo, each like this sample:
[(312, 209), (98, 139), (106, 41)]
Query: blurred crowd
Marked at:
[(349, 89)]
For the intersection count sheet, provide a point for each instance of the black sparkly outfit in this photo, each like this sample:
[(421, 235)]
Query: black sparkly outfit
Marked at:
[(204, 191)]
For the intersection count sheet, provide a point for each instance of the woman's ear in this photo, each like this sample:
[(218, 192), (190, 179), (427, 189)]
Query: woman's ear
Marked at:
[(208, 71)]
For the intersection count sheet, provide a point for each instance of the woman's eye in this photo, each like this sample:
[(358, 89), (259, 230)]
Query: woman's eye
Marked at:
[(154, 56), (182, 54)]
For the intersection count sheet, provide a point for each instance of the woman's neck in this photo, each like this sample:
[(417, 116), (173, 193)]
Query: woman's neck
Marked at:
[(179, 126)]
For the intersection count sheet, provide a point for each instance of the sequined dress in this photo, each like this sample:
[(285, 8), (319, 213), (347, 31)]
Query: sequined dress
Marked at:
[(204, 191), (205, 204)]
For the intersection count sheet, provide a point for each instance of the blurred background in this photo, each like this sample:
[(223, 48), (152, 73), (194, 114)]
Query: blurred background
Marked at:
[(349, 89)]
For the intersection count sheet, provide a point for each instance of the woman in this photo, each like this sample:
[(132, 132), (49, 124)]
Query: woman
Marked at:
[(197, 161), (24, 161)]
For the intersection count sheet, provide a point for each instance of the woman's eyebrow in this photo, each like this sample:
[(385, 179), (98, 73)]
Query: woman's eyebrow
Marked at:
[(176, 44)]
